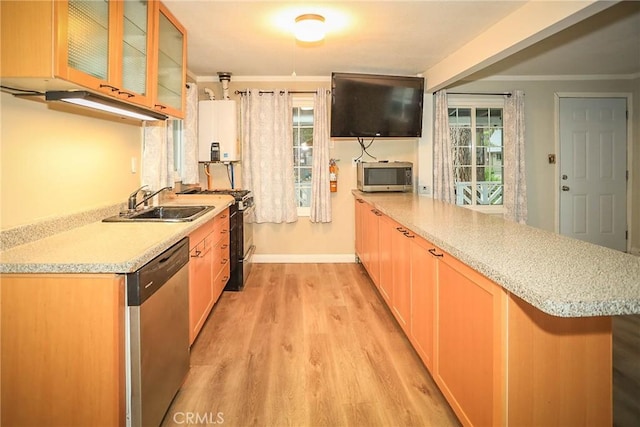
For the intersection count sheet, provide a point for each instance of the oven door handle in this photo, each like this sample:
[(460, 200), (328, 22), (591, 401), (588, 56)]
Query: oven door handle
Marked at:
[(249, 253)]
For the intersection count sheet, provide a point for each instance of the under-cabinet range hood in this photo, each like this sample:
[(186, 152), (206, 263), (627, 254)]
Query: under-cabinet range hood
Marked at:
[(91, 100)]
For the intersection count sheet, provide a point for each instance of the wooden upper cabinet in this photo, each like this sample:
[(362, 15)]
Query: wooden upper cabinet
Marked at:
[(137, 67), (133, 50), (171, 59), (106, 46)]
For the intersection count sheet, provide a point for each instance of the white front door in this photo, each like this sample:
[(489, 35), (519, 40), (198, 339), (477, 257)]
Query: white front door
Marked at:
[(593, 170)]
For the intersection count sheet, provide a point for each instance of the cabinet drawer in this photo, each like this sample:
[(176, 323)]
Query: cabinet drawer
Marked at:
[(220, 225), (199, 234)]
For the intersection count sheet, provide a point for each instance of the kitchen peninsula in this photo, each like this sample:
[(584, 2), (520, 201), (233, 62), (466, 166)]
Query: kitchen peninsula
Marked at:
[(513, 322)]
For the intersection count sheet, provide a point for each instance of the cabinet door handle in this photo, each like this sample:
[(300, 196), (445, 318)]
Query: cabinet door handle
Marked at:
[(432, 251), (409, 235), (359, 200), (113, 88), (129, 95), (224, 247), (160, 106), (400, 229), (196, 254)]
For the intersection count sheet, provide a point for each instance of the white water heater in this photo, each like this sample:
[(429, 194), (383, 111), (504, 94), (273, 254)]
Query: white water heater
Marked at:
[(217, 131)]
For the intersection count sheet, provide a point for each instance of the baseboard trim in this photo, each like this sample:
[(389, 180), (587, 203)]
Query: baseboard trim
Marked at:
[(635, 251), (303, 258)]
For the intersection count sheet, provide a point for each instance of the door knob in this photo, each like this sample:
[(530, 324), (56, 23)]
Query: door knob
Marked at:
[(565, 188)]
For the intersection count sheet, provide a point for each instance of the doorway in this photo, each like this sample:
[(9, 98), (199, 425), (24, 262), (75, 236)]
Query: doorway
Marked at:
[(593, 170)]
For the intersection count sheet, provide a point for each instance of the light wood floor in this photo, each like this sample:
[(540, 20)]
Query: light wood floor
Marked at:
[(313, 345), (626, 371), (306, 345)]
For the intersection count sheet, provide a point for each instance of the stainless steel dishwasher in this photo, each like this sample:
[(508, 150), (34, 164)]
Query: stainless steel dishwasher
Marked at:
[(157, 344)]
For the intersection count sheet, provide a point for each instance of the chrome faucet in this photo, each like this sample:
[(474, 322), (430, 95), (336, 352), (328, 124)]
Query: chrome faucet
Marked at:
[(147, 197), (133, 199)]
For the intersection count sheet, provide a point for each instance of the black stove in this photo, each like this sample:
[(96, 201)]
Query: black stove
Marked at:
[(240, 234)]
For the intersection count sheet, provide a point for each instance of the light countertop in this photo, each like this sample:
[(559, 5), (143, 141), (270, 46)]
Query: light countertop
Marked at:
[(107, 247), (556, 274)]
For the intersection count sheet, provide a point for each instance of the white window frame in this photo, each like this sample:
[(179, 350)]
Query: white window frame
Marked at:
[(475, 102), (178, 149), (302, 102)]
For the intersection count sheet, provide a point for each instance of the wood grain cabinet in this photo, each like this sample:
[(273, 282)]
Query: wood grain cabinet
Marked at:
[(372, 243), (497, 359), (423, 294), (134, 51), (470, 351), (401, 275), (171, 59), (208, 269), (367, 227), (221, 263), (200, 278), (385, 233), (62, 357), (360, 207)]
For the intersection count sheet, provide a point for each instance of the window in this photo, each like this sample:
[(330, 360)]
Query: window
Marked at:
[(476, 137), (303, 152), (178, 149)]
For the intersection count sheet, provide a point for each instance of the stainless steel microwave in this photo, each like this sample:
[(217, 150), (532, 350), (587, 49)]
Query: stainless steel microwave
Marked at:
[(385, 176)]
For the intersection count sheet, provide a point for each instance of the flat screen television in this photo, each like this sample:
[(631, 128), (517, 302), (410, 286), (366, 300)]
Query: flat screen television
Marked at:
[(370, 105)]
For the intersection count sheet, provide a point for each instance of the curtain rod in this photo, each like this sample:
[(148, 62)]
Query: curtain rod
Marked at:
[(481, 93), (244, 92)]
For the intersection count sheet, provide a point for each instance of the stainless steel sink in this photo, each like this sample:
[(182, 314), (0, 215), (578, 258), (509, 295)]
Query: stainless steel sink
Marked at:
[(162, 214)]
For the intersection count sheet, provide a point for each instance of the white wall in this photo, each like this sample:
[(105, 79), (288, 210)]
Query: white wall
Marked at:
[(540, 139), (303, 240), (54, 163)]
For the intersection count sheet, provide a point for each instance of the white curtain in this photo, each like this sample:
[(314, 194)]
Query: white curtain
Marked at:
[(443, 184), (157, 155), (320, 192), (190, 173), (515, 187), (267, 167)]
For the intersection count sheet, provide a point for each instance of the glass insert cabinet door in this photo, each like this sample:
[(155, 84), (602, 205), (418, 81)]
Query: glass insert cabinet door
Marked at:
[(88, 37), (107, 46), (171, 58), (135, 46)]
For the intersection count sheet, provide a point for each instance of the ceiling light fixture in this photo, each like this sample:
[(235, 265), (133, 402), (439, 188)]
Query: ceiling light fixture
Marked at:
[(309, 27), (109, 105)]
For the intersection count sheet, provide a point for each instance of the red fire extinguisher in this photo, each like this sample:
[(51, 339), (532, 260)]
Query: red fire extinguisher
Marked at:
[(333, 175)]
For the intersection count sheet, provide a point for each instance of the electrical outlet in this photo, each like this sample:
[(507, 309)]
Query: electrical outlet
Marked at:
[(424, 189)]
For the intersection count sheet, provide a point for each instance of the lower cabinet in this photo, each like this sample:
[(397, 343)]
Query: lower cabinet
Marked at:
[(385, 233), (221, 262), (497, 359), (423, 294), (208, 269), (63, 350), (401, 275), (469, 358)]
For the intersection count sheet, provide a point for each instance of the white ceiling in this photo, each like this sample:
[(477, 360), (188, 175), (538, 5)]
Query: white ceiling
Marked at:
[(253, 38)]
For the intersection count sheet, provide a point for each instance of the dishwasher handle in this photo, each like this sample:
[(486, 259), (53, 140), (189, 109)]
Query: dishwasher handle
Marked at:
[(144, 282)]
